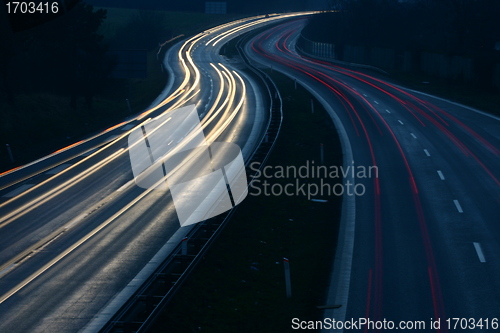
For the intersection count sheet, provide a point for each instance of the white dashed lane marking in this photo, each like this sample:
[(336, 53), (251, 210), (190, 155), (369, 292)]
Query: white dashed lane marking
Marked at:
[(18, 190), (57, 169), (125, 185), (457, 204), (111, 138), (479, 252), (89, 152)]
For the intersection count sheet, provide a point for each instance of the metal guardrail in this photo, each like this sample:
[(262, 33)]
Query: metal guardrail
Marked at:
[(324, 52), (139, 313)]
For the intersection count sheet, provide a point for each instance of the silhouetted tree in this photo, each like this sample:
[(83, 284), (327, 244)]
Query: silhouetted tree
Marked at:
[(454, 27), (80, 52), (8, 51), (60, 53)]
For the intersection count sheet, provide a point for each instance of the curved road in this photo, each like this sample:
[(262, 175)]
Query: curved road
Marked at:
[(422, 242), (74, 228)]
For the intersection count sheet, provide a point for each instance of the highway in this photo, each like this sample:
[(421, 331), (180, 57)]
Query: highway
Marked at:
[(419, 244), (422, 243), (75, 229)]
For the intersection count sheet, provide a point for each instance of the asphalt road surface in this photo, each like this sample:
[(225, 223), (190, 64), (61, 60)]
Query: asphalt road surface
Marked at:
[(75, 229), (422, 241)]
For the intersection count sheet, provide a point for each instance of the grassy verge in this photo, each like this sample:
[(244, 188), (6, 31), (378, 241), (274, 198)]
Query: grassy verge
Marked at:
[(39, 124), (45, 122), (467, 94), (488, 101), (186, 23), (239, 284)]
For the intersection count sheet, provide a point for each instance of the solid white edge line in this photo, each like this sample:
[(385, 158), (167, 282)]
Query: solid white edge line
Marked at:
[(127, 127), (111, 138), (454, 103), (340, 276), (109, 310), (87, 153), (7, 269), (457, 204), (479, 252)]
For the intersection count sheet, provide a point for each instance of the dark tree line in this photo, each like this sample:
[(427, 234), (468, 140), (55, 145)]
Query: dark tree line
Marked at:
[(144, 31), (469, 28), (233, 6), (54, 53)]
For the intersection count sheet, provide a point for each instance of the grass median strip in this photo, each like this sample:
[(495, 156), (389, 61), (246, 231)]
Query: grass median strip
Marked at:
[(239, 286)]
